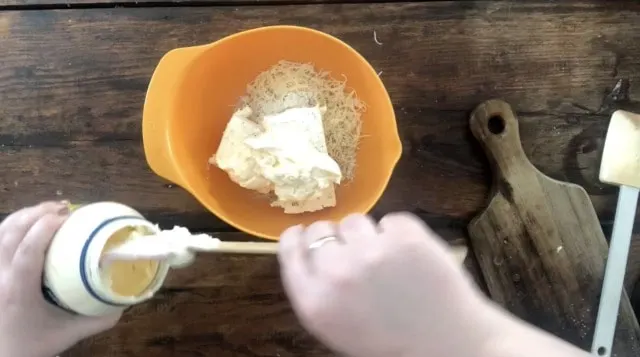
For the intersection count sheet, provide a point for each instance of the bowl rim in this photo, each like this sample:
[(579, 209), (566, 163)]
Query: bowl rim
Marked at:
[(392, 164)]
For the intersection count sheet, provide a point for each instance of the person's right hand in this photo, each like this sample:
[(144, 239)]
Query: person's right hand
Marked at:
[(387, 289)]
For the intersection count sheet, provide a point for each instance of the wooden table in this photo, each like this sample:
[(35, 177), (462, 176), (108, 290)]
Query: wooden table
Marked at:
[(74, 75)]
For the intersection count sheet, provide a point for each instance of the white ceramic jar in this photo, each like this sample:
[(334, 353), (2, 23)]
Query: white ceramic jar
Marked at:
[(73, 276)]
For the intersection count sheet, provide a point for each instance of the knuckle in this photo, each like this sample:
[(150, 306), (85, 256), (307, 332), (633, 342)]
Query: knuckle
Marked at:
[(357, 224), (291, 233), (22, 218), (14, 216), (49, 206), (320, 229), (289, 240), (50, 222), (318, 224), (400, 217), (412, 242), (405, 224), (389, 223), (44, 228), (354, 219)]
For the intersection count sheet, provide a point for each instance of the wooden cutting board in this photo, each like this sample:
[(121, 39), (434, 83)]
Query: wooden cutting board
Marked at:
[(539, 242)]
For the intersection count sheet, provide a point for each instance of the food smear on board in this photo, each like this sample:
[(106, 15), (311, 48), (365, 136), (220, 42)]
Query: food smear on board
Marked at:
[(293, 137)]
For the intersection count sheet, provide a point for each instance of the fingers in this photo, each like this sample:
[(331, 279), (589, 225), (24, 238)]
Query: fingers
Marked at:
[(403, 225), (30, 254), (14, 228), (358, 229), (295, 275), (407, 226), (322, 234), (327, 256), (319, 230), (290, 248)]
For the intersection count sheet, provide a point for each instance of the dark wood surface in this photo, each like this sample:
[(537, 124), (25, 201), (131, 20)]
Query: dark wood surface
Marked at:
[(73, 84)]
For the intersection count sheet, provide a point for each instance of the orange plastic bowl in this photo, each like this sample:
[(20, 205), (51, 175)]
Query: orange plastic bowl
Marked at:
[(192, 95)]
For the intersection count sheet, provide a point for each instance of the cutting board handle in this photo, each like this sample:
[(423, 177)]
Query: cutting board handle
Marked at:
[(495, 126)]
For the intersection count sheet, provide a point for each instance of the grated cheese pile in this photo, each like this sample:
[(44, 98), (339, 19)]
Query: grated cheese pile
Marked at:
[(293, 137), (294, 85)]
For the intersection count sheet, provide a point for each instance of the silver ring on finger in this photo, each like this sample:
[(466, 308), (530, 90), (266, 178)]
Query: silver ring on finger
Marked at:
[(322, 241)]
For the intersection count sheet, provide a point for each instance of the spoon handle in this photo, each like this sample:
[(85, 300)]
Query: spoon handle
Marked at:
[(458, 252), (220, 247), (247, 248)]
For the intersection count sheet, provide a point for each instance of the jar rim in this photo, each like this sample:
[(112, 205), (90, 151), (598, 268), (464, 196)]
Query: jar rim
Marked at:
[(91, 270)]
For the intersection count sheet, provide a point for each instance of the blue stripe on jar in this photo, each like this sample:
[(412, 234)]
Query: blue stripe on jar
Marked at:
[(83, 257)]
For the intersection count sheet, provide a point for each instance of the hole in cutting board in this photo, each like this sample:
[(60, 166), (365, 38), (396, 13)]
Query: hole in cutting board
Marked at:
[(602, 351), (496, 124)]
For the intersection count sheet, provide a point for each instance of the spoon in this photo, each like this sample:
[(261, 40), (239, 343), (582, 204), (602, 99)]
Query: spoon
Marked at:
[(178, 247)]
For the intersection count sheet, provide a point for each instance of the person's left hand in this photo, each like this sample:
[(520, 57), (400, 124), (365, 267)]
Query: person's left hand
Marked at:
[(29, 325)]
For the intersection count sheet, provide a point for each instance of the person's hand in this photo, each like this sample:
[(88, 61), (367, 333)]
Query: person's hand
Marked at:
[(387, 289), (30, 326)]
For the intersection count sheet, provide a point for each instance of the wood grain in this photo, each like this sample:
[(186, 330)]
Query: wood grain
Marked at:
[(90, 87), (538, 242), (563, 59)]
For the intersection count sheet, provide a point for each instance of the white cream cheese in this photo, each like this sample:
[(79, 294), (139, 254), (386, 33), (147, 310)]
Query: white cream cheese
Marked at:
[(286, 155), (236, 158)]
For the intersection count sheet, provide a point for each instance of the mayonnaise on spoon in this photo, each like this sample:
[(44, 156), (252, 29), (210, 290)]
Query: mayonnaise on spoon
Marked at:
[(177, 246)]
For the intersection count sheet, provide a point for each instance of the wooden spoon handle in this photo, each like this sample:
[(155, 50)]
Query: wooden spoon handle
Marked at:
[(459, 252), (247, 247)]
